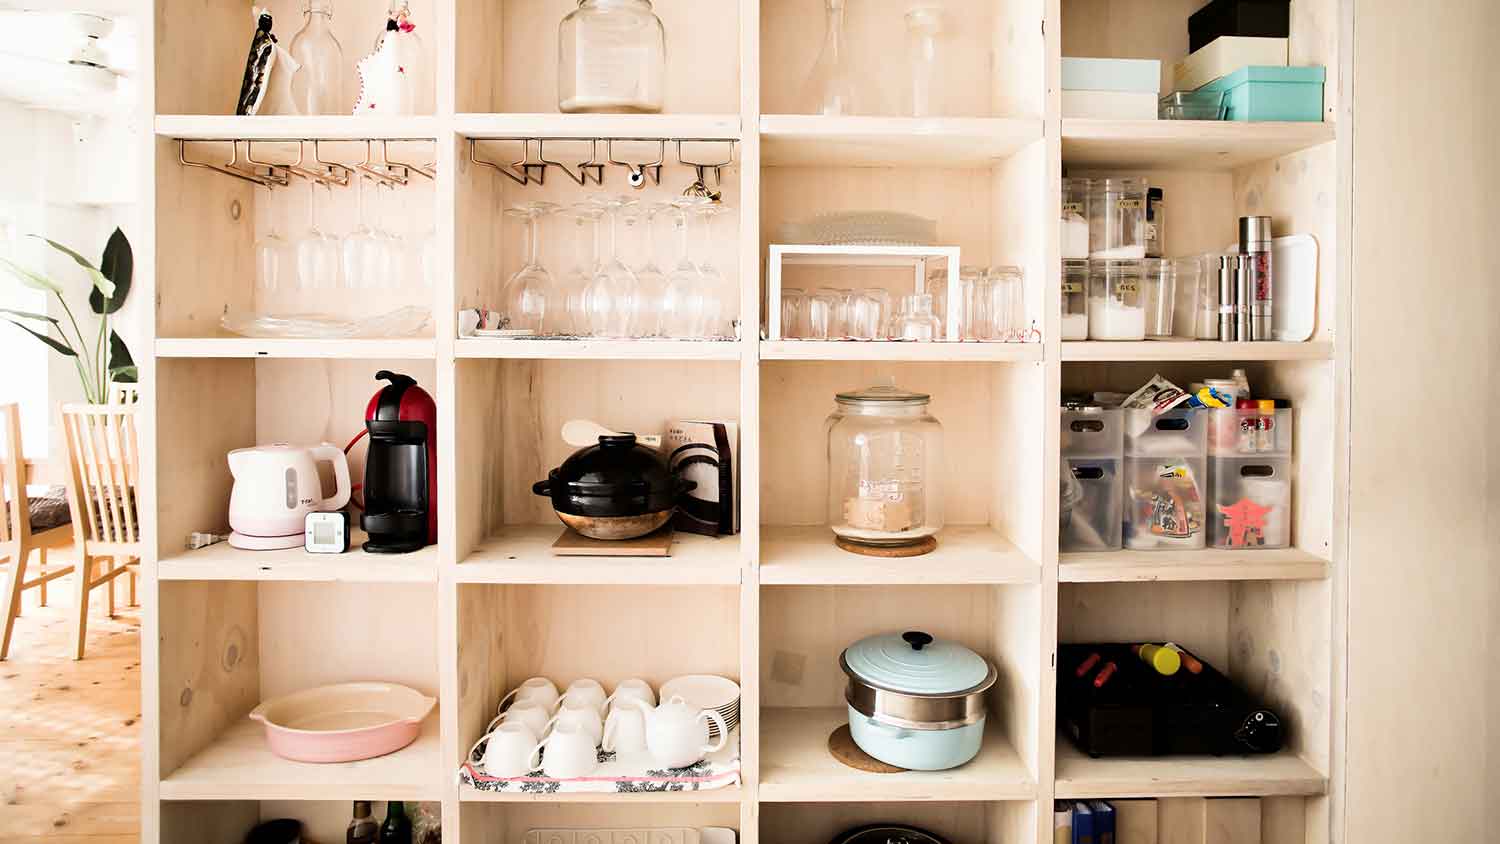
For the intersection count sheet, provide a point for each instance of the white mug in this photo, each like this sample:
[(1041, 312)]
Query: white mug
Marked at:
[(625, 730), (508, 752), (586, 689), (570, 753), (633, 688), (582, 714), (538, 690), (533, 715)]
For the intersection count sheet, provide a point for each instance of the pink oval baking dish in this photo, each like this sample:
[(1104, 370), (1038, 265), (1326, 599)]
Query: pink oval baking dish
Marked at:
[(344, 722)]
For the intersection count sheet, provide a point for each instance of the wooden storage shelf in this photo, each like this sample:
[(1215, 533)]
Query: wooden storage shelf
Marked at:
[(592, 349), (238, 766), (886, 350), (797, 767), (1184, 144), (470, 794), (966, 554), (1079, 777), (651, 126), (523, 554), (222, 561), (800, 140), (332, 127), (404, 348), (1193, 350), (1208, 564)]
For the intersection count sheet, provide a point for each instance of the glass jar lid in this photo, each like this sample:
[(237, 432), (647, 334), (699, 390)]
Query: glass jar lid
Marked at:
[(915, 663), (884, 394)]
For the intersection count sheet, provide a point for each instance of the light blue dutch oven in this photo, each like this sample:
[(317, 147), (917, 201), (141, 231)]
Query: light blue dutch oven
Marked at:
[(916, 702)]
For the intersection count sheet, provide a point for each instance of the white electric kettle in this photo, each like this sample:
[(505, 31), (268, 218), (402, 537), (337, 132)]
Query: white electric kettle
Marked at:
[(275, 487)]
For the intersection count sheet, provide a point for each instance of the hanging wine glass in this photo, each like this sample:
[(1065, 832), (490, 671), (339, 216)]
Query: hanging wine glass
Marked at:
[(640, 224), (574, 317), (610, 299), (682, 301), (719, 306), (429, 258), (275, 260), (317, 252), (363, 250), (394, 264), (529, 293)]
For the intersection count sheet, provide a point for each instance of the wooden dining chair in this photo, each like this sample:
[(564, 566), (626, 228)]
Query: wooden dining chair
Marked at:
[(29, 524), (102, 477)]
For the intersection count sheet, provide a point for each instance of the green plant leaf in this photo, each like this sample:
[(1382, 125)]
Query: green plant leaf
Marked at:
[(117, 265), (122, 367), (36, 281), (28, 315), (57, 346), (97, 278)]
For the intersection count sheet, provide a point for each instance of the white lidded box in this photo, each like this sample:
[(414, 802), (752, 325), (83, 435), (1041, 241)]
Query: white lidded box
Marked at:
[(1223, 56), (1109, 105), (1110, 89)]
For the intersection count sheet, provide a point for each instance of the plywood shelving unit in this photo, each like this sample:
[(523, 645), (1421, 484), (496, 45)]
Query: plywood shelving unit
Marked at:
[(774, 605)]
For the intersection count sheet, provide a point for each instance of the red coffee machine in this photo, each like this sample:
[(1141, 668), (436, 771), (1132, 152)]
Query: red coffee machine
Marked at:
[(400, 487)]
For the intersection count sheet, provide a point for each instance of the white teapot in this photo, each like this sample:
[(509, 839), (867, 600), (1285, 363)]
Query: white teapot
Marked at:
[(677, 734)]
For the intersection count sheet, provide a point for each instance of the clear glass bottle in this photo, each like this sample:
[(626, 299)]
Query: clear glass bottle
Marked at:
[(885, 454), (923, 26), (832, 87), (1075, 299), (1117, 219), (611, 57), (1116, 310), (318, 84)]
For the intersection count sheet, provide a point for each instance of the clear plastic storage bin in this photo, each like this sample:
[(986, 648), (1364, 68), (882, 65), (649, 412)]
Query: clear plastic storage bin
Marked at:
[(1250, 470), (1166, 487), (1092, 449)]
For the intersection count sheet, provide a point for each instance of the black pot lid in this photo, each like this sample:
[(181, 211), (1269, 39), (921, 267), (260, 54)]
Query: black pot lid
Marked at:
[(618, 465), (887, 833)]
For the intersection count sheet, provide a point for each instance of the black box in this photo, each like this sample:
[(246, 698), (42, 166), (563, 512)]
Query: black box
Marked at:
[(1255, 18)]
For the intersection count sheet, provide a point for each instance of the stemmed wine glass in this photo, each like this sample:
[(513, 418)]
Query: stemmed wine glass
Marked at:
[(275, 260), (718, 302), (529, 293), (682, 301), (317, 251), (363, 250), (610, 299), (574, 316), (394, 265)]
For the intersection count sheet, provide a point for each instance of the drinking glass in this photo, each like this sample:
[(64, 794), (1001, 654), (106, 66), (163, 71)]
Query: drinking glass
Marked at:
[(793, 312), (317, 251), (868, 314), (682, 305), (640, 245), (275, 260), (529, 293), (1007, 311), (718, 301), (610, 299), (822, 306), (363, 251), (916, 321), (974, 309), (838, 314), (574, 319), (882, 318)]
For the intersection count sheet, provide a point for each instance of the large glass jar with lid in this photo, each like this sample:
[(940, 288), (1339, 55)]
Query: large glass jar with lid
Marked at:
[(611, 57), (885, 457)]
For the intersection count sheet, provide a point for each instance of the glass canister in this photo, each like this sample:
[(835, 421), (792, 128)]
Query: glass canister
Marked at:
[(1073, 237), (1160, 280), (611, 57), (1117, 311), (1075, 300), (885, 452), (1117, 219)]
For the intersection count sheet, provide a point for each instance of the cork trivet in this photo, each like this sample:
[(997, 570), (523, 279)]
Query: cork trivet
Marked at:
[(925, 545), (843, 748)]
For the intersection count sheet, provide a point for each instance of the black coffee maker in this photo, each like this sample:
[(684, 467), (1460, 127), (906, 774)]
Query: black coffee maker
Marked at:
[(400, 485)]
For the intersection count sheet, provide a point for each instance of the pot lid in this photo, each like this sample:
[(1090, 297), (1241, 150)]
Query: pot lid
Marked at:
[(617, 465), (883, 394), (915, 663)]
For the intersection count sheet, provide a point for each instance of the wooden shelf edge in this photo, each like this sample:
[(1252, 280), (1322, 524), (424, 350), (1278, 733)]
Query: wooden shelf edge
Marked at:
[(733, 794), (415, 348), (1194, 350), (1085, 128), (585, 349), (1209, 564), (205, 127), (856, 350), (483, 125), (601, 571)]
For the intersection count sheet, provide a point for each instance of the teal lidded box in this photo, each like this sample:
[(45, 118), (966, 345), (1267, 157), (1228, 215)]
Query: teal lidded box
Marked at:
[(1263, 93)]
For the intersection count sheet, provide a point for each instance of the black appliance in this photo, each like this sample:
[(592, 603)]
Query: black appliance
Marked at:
[(400, 487)]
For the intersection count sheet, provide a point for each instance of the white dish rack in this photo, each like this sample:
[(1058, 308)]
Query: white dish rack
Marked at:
[(919, 258)]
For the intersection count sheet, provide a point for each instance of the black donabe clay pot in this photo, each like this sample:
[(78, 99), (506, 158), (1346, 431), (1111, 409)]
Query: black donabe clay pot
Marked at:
[(614, 490)]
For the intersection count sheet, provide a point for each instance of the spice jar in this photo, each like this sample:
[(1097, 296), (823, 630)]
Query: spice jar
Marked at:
[(1075, 299), (1160, 280), (885, 450), (611, 57), (1117, 219), (1116, 308), (1073, 237)]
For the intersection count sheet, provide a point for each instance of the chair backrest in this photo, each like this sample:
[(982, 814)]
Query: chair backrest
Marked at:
[(123, 393), (16, 521), (103, 473)]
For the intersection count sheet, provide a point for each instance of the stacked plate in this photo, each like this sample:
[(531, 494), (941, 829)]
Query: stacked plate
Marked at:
[(707, 691)]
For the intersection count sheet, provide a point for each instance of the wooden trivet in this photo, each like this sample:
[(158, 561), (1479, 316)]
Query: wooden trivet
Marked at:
[(843, 748), (925, 545), (574, 544)]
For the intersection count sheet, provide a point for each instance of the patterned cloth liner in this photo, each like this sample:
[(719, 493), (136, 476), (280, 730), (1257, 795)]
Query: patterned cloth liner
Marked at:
[(619, 773)]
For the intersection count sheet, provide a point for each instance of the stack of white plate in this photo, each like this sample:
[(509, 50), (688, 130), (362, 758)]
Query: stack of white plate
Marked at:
[(707, 691)]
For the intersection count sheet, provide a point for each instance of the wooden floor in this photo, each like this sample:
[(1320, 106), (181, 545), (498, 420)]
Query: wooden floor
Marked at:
[(70, 731)]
